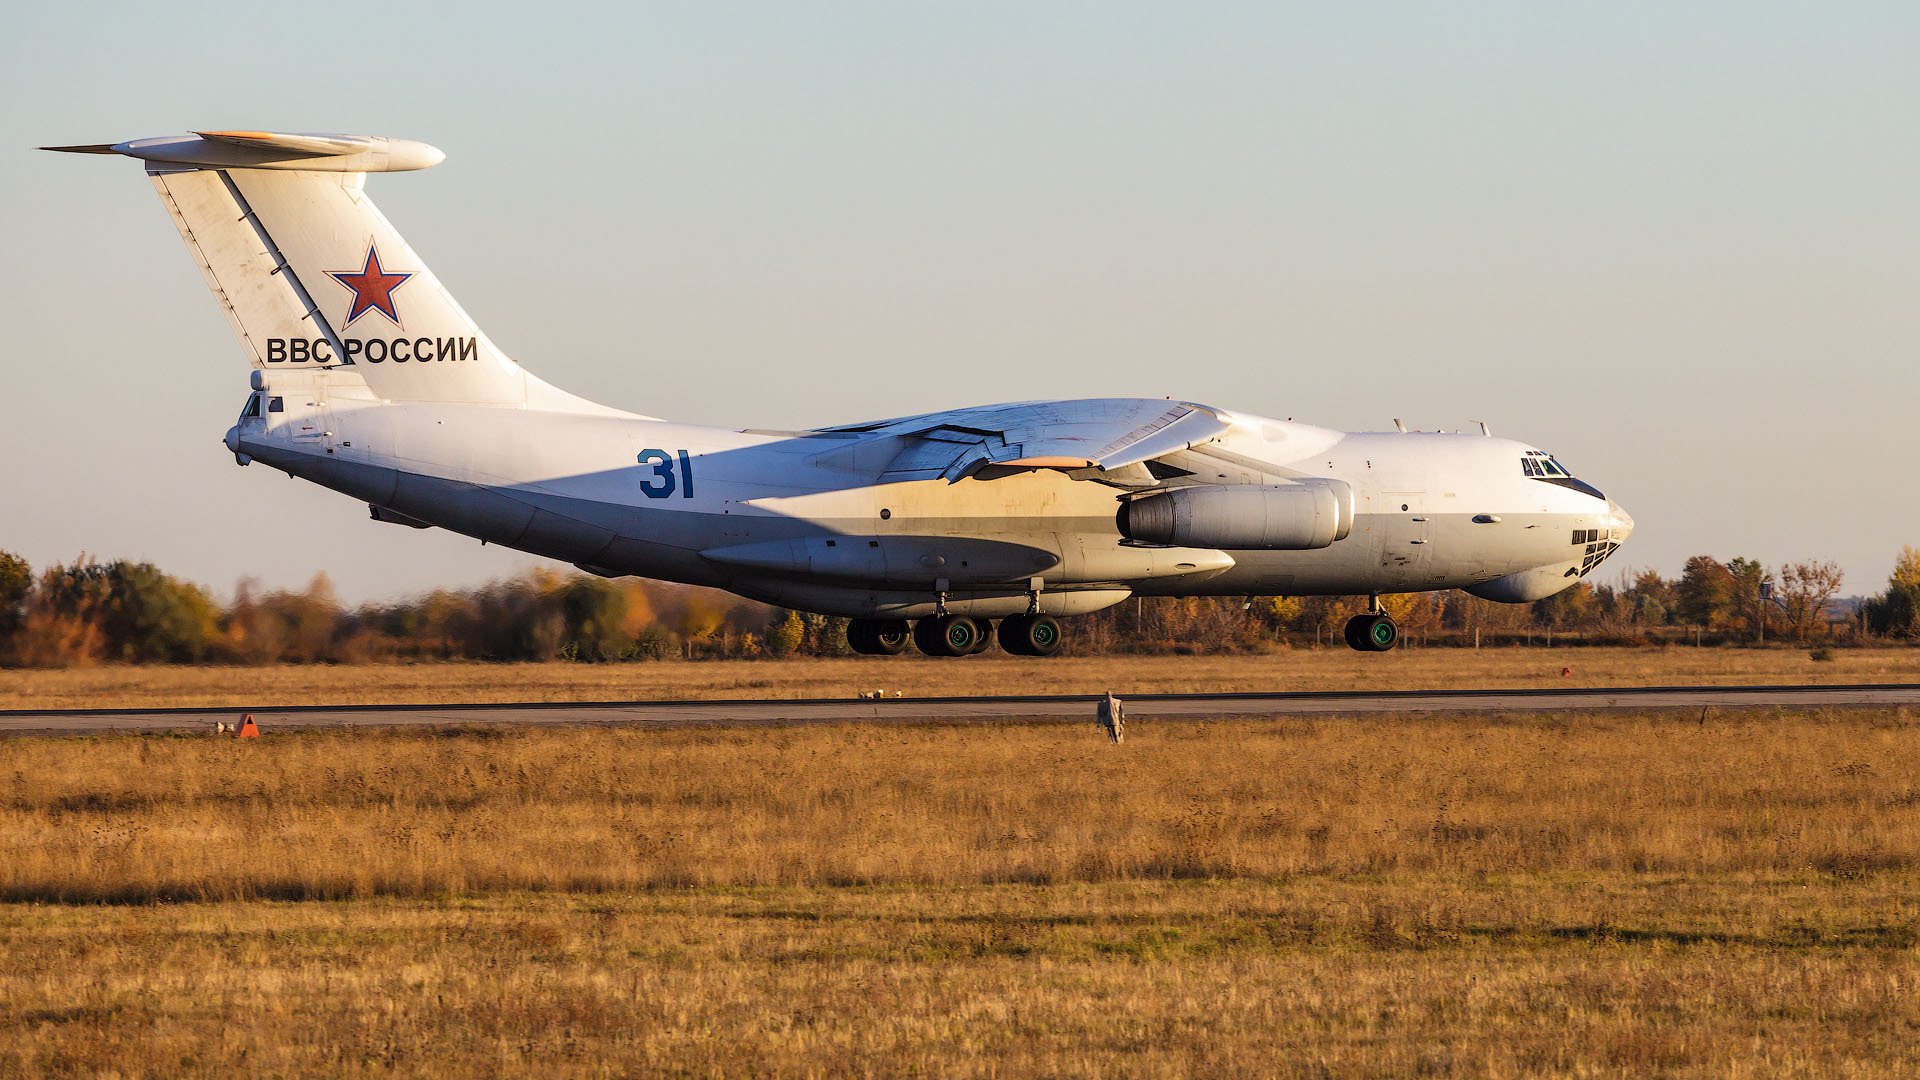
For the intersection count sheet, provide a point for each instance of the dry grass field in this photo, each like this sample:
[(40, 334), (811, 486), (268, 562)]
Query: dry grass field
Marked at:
[(994, 673), (1621, 895)]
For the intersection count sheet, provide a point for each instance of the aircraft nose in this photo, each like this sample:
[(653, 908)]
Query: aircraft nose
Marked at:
[(1622, 521)]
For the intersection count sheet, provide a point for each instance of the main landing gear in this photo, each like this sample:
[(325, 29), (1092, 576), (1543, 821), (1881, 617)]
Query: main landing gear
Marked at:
[(1373, 632), (1032, 634)]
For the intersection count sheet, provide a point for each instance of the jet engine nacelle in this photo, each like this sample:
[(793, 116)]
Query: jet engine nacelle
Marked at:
[(1244, 517)]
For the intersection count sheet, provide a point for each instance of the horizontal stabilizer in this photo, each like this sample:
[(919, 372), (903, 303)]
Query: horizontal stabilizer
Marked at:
[(305, 152)]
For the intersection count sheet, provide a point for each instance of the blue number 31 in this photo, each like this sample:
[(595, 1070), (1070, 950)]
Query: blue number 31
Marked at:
[(660, 484)]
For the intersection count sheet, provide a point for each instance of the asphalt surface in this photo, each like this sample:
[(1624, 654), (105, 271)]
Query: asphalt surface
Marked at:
[(1048, 709)]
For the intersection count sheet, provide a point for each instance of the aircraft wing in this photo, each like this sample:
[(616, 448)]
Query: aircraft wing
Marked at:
[(1103, 434)]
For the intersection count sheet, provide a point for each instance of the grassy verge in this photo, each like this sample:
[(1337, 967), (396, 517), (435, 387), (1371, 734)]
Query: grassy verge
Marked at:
[(1523, 895), (1397, 976)]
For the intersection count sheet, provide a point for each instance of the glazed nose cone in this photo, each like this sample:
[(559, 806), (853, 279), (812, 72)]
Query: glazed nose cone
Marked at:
[(1622, 521)]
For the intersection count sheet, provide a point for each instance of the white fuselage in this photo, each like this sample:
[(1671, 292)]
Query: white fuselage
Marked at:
[(809, 520)]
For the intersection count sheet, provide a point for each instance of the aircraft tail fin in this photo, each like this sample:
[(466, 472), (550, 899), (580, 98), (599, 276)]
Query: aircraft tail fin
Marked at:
[(312, 275)]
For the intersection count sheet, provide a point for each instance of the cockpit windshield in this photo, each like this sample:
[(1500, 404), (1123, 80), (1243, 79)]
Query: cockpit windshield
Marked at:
[(1540, 465)]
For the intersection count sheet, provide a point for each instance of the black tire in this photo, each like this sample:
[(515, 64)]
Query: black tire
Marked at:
[(1031, 635), (890, 637), (1013, 635), (946, 635), (877, 637), (1355, 633), (986, 637), (1381, 633), (926, 636), (960, 634), (860, 636)]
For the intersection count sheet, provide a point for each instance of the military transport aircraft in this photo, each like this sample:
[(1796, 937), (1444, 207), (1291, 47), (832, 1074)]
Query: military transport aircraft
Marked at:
[(369, 379)]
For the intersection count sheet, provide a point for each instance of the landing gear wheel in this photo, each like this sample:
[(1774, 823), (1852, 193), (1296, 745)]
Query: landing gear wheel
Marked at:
[(892, 636), (1372, 633), (946, 635), (986, 637), (1030, 635), (877, 637)]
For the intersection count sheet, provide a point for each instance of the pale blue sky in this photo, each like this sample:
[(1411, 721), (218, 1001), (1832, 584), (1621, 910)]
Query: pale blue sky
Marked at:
[(1677, 245)]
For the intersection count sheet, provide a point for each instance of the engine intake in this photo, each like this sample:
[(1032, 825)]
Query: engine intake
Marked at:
[(1243, 517)]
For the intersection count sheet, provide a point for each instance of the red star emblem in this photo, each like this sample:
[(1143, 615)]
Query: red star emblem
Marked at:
[(372, 288)]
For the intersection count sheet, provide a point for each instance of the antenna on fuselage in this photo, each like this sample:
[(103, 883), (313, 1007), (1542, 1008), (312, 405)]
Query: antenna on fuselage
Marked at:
[(1484, 429), (1399, 425)]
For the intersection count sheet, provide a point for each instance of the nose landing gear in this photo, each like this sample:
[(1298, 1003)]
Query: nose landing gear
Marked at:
[(1373, 632)]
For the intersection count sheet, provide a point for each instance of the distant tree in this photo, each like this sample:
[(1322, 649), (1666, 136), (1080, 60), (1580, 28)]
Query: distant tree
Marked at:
[(62, 624), (246, 632), (1567, 609), (1906, 569), (1323, 616), (1896, 612), (1705, 592), (1651, 599), (785, 634), (595, 612), (832, 636), (305, 627), (16, 581), (152, 617), (1805, 588), (1749, 580), (1281, 612), (1613, 613), (1417, 613)]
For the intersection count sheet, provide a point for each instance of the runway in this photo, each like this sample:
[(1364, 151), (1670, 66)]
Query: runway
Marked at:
[(936, 710)]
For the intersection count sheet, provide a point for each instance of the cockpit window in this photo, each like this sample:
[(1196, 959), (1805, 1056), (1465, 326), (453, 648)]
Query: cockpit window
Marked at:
[(253, 407), (1541, 465)]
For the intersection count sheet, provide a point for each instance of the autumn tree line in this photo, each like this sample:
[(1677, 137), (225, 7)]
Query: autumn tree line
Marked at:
[(89, 612)]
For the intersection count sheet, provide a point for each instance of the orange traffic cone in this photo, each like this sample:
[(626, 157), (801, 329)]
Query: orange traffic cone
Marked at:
[(249, 729)]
